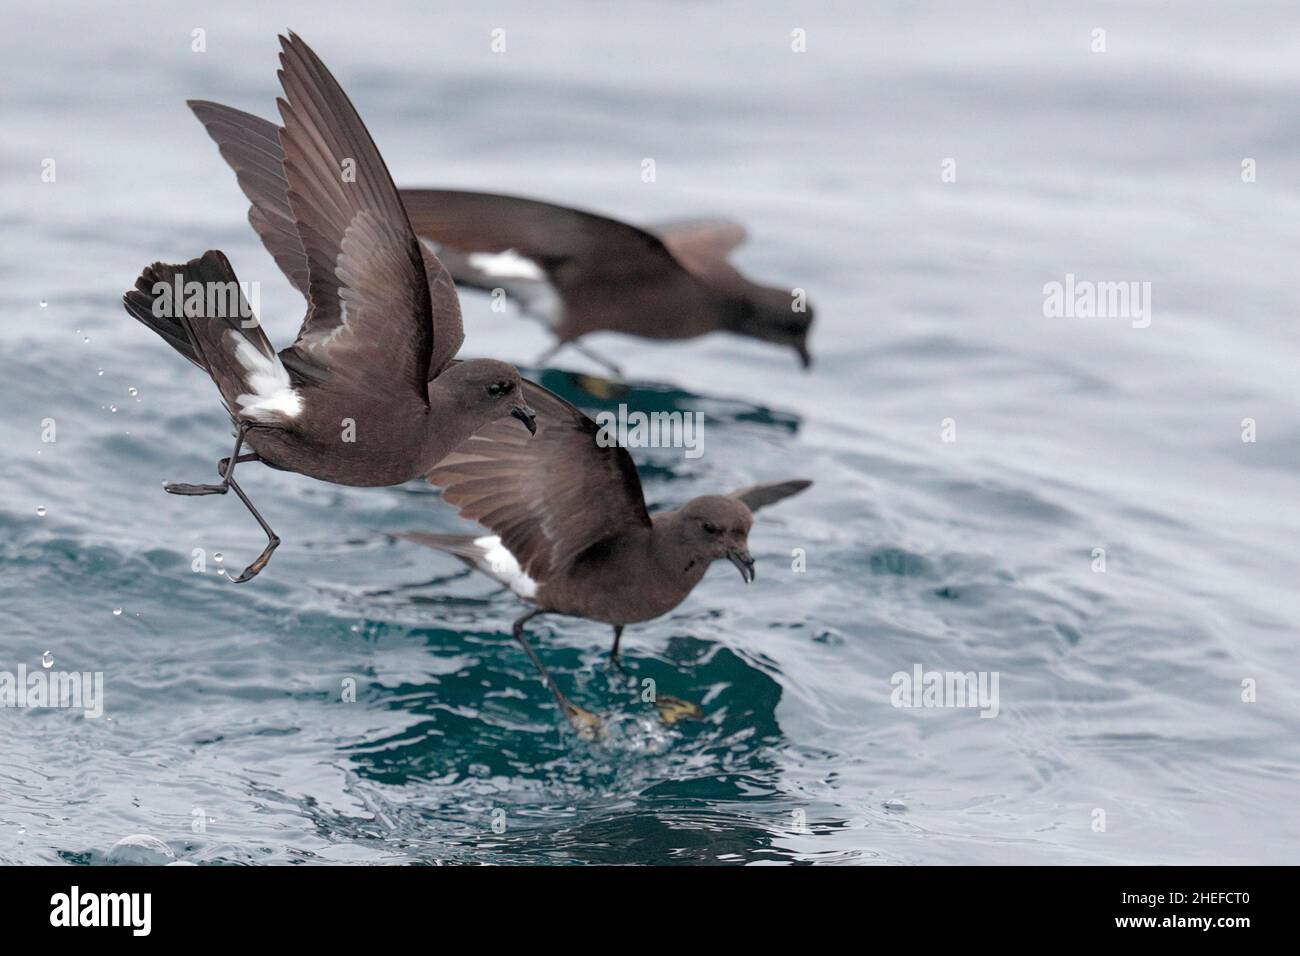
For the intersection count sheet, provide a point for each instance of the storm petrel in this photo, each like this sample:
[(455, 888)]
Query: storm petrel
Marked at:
[(579, 272), (369, 394), (572, 536)]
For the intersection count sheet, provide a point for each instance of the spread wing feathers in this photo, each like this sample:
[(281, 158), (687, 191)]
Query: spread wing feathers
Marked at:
[(712, 238), (369, 318), (577, 250), (549, 497), (251, 145), (448, 326), (702, 247), (758, 496)]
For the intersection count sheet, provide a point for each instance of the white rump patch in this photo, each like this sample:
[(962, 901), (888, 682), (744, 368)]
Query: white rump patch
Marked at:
[(499, 563), (506, 265), (271, 393)]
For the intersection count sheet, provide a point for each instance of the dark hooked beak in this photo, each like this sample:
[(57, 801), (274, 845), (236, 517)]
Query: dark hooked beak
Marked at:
[(805, 358), (741, 559), (525, 415)]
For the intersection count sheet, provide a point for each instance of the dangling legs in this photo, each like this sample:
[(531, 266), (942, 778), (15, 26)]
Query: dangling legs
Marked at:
[(175, 488), (225, 462), (579, 347), (598, 359), (272, 539), (613, 654), (587, 724), (226, 468), (671, 709), (549, 354)]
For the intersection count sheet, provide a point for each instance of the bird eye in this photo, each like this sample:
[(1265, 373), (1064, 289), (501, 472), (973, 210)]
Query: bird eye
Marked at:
[(500, 388), (710, 528)]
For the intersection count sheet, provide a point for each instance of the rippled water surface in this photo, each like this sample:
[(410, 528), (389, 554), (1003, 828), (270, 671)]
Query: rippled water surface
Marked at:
[(1120, 693)]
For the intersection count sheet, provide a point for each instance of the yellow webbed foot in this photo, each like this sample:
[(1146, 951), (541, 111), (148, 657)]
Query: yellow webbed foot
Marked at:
[(672, 709), (587, 725)]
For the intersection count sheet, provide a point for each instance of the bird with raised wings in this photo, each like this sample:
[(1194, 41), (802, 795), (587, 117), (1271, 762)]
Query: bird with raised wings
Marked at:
[(571, 535), (368, 394), (579, 272)]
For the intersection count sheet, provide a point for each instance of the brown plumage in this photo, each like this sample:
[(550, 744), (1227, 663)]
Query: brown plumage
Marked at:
[(580, 272), (368, 393), (577, 271), (574, 534)]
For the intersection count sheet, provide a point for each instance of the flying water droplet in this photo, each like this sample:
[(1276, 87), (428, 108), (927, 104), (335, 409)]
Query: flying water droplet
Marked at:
[(112, 408), (47, 659), (117, 612), (44, 303), (218, 557), (40, 511), (85, 338), (99, 371), (133, 391)]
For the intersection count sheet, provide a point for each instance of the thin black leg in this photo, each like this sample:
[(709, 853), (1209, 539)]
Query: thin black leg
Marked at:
[(176, 488), (272, 539), (598, 359), (613, 654), (518, 630), (226, 468), (671, 709), (579, 347), (587, 724), (547, 355), (225, 462)]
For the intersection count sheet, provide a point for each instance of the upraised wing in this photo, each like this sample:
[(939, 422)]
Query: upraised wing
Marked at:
[(758, 496), (549, 497), (580, 253), (333, 190)]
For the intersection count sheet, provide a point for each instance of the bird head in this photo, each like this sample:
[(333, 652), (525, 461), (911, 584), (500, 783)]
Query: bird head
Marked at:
[(492, 390), (780, 316), (718, 527)]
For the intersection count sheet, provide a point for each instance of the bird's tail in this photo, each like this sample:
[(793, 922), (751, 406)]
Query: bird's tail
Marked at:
[(486, 554), (199, 309), (463, 546), (177, 301), (150, 303)]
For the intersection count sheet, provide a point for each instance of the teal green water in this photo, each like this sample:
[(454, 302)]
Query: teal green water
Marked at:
[(1121, 734)]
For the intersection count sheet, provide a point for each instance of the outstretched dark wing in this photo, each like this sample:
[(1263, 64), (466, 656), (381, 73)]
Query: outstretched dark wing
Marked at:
[(588, 259), (548, 497), (370, 314), (757, 496), (702, 247), (251, 145)]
